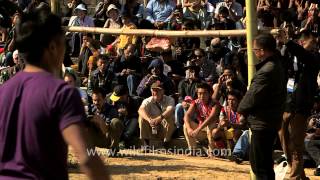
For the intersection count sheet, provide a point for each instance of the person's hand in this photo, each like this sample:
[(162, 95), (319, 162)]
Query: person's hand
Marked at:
[(190, 131), (221, 80), (184, 104), (123, 72), (283, 37), (223, 123), (123, 111), (229, 82), (195, 132)]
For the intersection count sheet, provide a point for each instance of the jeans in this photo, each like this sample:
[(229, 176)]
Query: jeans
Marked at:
[(130, 126), (178, 115), (242, 145), (132, 84), (313, 149)]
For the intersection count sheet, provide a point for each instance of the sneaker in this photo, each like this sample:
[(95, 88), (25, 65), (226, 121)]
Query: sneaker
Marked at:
[(317, 172), (236, 158), (280, 159)]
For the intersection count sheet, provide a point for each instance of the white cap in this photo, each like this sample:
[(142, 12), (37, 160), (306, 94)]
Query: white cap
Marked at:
[(110, 7), (81, 7)]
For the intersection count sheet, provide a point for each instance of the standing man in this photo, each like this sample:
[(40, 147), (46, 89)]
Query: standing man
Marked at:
[(40, 114), (262, 105), (300, 100)]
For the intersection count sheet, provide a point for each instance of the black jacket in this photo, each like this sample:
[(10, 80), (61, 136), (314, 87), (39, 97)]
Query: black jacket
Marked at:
[(263, 104), (302, 99)]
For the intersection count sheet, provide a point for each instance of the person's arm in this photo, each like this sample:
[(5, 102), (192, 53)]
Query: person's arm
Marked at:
[(188, 115), (167, 113), (213, 117), (149, 12), (91, 165), (143, 113)]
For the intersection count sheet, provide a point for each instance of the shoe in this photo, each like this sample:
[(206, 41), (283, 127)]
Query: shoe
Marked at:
[(280, 159), (236, 158), (317, 172)]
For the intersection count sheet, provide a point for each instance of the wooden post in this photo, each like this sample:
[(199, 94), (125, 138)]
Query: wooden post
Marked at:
[(252, 31)]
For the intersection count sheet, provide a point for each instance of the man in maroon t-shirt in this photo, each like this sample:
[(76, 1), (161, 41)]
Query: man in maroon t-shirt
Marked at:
[(40, 113)]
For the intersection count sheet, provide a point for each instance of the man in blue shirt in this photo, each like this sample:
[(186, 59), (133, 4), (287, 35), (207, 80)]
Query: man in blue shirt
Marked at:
[(158, 12)]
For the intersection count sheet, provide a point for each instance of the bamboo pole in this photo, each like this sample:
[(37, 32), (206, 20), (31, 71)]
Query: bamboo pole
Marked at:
[(164, 33), (54, 6), (252, 31)]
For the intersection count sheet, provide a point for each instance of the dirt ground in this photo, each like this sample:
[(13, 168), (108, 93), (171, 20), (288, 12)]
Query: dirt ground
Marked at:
[(159, 166)]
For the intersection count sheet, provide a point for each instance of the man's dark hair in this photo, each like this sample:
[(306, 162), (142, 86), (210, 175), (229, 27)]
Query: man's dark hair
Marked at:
[(35, 30), (90, 35), (223, 10), (266, 42), (99, 91), (307, 34), (103, 57), (205, 86), (70, 74), (236, 94)]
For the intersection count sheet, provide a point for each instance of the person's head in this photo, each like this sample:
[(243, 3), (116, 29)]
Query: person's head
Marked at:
[(199, 56), (112, 12), (15, 57), (126, 18), (98, 98), (15, 18), (228, 73), (157, 91), (233, 99), (308, 40), (102, 61), (70, 78), (87, 38), (41, 40), (129, 50), (81, 11), (264, 45), (229, 2), (192, 70), (223, 12), (204, 92), (156, 67), (120, 94)]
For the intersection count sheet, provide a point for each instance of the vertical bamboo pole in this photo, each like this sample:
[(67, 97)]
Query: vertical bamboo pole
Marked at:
[(252, 31), (54, 6)]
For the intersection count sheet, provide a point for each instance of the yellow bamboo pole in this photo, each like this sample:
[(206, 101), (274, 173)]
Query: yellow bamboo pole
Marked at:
[(54, 6), (163, 33), (252, 31)]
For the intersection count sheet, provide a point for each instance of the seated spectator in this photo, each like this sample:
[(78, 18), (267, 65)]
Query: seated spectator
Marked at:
[(81, 19), (155, 73), (227, 83), (10, 44), (88, 48), (72, 5), (201, 119), (156, 118), (207, 67), (124, 40), (241, 149), (158, 12), (195, 10), (102, 76), (234, 8), (71, 79), (226, 133), (105, 126), (135, 10), (127, 108), (113, 22), (187, 88), (176, 19), (128, 70), (312, 139), (101, 10), (223, 20)]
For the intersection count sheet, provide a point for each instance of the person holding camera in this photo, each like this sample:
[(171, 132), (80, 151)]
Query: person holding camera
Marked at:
[(155, 73)]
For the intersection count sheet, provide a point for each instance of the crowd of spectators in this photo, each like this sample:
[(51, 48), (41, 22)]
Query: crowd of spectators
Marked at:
[(191, 89)]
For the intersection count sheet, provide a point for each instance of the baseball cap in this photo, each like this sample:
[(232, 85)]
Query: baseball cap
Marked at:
[(157, 85), (118, 91)]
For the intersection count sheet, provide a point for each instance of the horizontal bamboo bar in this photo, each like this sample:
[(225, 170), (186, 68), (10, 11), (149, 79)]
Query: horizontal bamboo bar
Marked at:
[(164, 33)]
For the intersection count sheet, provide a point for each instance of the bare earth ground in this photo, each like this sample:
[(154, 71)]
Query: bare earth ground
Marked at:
[(167, 166)]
